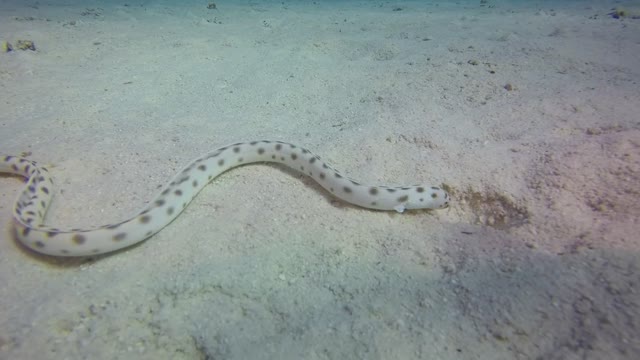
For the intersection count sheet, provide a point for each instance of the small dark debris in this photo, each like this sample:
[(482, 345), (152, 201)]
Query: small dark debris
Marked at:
[(212, 6), (622, 13), (6, 46), (25, 45), (94, 12)]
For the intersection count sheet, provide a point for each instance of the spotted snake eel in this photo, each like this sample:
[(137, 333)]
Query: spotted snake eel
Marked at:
[(32, 203)]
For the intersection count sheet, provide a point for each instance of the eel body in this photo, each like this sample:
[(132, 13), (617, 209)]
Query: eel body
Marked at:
[(32, 203)]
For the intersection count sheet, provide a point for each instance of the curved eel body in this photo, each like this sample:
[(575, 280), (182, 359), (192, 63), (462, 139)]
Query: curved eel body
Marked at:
[(32, 203)]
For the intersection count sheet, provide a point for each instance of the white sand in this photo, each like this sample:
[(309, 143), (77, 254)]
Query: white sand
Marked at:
[(538, 257)]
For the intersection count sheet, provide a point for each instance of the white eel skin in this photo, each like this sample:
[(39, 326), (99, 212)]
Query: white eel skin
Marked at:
[(32, 203)]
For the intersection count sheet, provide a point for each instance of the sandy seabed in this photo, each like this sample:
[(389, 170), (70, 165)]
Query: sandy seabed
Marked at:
[(528, 113)]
